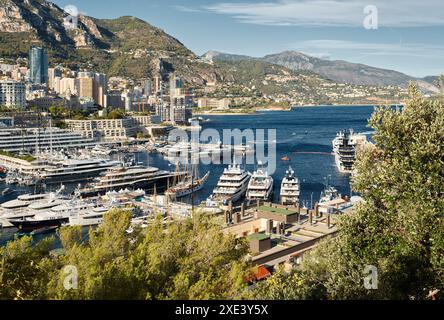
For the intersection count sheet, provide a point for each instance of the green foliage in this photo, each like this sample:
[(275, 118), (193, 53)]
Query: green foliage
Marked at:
[(116, 114), (142, 135), (399, 227), (23, 273), (190, 259), (28, 158)]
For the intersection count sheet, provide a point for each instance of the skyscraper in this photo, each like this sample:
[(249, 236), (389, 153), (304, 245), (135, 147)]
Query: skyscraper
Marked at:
[(52, 74), (38, 65)]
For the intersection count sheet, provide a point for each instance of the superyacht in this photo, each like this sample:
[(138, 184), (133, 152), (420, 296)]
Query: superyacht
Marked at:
[(75, 170), (55, 216), (231, 187), (345, 146), (135, 177), (260, 186), (290, 189)]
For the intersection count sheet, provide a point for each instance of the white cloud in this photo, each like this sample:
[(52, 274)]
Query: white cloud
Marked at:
[(367, 48), (187, 9), (320, 55), (395, 13)]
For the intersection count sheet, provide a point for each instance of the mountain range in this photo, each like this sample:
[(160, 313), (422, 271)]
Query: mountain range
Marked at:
[(337, 70), (130, 47)]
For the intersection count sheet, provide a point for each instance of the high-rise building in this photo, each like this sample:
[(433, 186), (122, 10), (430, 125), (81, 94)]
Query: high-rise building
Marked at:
[(147, 87), (99, 88), (157, 85), (176, 86), (67, 86), (52, 74), (163, 111), (38, 66), (12, 94), (180, 114), (85, 87)]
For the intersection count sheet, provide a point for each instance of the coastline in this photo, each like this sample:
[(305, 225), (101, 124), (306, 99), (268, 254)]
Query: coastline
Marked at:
[(225, 114), (256, 111)]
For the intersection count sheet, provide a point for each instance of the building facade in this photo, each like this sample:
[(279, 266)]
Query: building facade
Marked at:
[(38, 66), (110, 129), (12, 94), (213, 103)]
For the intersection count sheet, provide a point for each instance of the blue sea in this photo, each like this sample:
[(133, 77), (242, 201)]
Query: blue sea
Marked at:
[(304, 135)]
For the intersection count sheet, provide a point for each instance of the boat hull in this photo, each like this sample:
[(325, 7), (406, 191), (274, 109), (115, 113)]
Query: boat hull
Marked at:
[(148, 186), (30, 225)]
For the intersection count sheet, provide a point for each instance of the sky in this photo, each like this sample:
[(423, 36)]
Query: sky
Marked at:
[(401, 35)]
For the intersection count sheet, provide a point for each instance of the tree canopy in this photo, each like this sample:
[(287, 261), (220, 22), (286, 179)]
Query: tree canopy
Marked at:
[(399, 229), (190, 259)]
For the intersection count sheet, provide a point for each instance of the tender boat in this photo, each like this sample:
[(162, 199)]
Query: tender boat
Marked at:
[(7, 191)]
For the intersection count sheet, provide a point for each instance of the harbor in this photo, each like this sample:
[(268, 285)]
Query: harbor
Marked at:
[(100, 171)]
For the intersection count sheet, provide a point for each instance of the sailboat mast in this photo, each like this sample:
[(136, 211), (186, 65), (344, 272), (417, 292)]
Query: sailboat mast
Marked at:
[(50, 136)]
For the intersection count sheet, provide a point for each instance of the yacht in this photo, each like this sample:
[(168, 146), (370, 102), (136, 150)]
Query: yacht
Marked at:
[(136, 177), (26, 209), (74, 170), (190, 183), (330, 193), (344, 148), (232, 185), (94, 215), (55, 216), (23, 201), (260, 186), (290, 188), (187, 187)]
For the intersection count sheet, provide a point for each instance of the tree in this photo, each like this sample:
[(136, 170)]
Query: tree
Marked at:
[(399, 228), (190, 259), (23, 273)]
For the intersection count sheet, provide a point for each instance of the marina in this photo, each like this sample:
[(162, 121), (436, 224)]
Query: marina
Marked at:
[(153, 172)]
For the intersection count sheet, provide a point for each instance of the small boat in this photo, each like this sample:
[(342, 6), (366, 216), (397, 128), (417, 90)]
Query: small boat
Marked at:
[(285, 158), (7, 191), (43, 230)]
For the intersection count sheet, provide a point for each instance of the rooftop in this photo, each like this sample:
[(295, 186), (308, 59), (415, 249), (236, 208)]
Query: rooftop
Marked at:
[(258, 236), (278, 211)]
